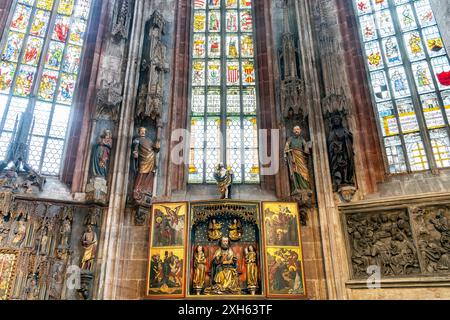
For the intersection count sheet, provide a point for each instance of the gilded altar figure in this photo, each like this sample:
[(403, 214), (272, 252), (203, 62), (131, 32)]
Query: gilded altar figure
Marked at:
[(296, 154), (89, 243), (224, 178), (224, 270), (19, 231), (252, 269), (198, 279), (144, 154), (102, 154), (235, 230), (214, 230)]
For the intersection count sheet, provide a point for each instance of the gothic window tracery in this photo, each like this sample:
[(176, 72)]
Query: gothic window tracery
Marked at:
[(223, 121), (409, 75), (41, 54)]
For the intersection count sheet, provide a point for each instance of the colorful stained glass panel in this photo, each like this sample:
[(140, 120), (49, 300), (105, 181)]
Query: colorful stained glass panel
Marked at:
[(72, 59), (246, 21), (78, 29), (33, 51), (214, 72), (6, 76), (61, 29), (66, 88), (13, 47), (40, 23), (54, 55), (66, 7), (24, 81), (21, 18), (45, 4), (48, 84)]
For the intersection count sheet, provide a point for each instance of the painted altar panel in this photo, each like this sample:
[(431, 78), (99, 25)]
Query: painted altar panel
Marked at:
[(166, 267), (225, 249), (8, 264), (284, 266)]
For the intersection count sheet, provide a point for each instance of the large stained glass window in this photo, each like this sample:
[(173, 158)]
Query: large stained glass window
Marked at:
[(409, 73), (223, 122), (41, 52)]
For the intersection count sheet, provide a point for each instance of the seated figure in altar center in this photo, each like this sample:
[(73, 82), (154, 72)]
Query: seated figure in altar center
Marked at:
[(224, 273)]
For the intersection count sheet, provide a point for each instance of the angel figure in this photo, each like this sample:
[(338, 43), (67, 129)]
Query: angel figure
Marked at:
[(235, 230), (214, 230)]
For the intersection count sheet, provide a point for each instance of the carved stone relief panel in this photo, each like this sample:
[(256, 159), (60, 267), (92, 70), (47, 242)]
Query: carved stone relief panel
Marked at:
[(382, 239), (431, 226), (408, 242), (40, 242)]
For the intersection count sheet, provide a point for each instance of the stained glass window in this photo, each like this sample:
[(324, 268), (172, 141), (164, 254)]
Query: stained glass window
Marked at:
[(409, 72), (41, 55), (223, 107)]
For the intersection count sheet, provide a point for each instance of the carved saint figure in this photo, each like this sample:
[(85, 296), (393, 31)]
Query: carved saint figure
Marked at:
[(101, 155), (340, 149), (19, 231), (32, 288), (224, 178), (66, 229), (252, 269), (296, 154), (235, 230), (214, 230), (144, 154), (199, 268), (224, 270), (89, 243)]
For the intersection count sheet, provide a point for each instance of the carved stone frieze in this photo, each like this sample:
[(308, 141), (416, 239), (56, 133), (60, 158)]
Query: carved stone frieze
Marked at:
[(433, 237), (409, 242), (385, 240)]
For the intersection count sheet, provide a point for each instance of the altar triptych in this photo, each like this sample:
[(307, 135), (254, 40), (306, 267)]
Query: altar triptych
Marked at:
[(225, 248)]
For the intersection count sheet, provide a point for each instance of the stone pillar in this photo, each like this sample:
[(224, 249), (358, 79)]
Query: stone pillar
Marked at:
[(441, 9), (330, 226), (109, 253)]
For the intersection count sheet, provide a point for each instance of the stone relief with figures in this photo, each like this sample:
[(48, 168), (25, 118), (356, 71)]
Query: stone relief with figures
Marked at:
[(38, 247), (410, 242)]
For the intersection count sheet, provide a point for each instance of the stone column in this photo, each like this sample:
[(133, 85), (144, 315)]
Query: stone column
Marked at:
[(330, 225), (109, 253), (441, 9)]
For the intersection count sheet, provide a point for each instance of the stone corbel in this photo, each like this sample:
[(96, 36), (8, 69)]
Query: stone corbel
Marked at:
[(109, 98)]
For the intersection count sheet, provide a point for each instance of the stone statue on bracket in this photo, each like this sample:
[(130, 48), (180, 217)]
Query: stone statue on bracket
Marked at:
[(224, 179), (144, 152), (340, 145), (97, 189), (297, 153), (341, 156), (102, 154)]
